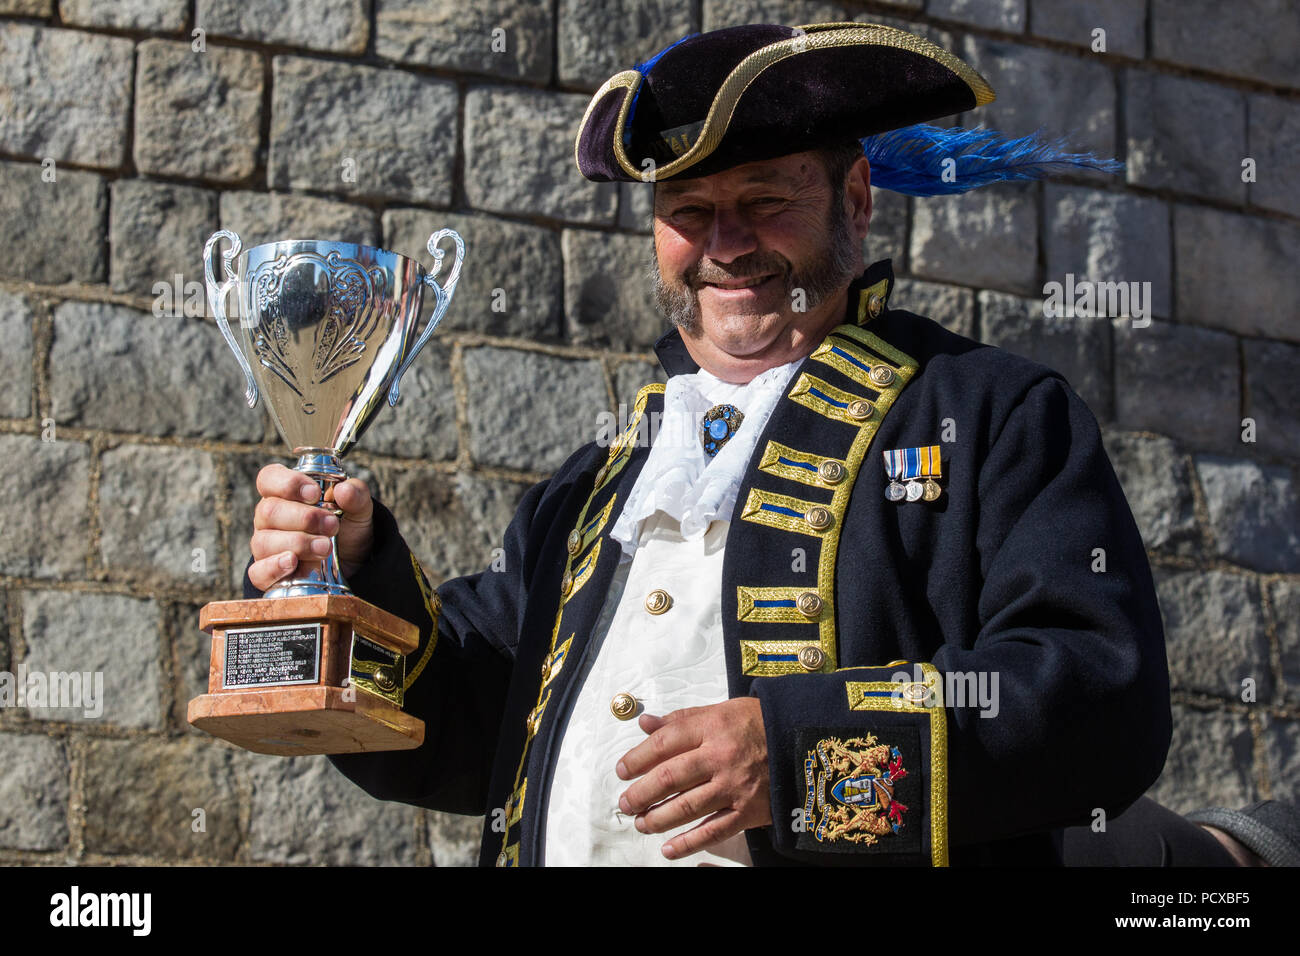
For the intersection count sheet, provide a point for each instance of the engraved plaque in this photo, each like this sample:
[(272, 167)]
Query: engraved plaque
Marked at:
[(257, 656)]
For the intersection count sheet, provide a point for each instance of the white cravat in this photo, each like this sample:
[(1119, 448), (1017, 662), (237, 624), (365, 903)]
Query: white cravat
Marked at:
[(673, 529), (678, 478)]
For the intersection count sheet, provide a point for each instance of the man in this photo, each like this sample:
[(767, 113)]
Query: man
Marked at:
[(745, 639)]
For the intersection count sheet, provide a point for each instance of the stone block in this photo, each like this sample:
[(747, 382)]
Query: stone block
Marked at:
[(156, 232), (1057, 94), (504, 175), (1273, 395), (1179, 381), (157, 15), (1072, 21), (337, 26), (56, 229), (114, 368), (1254, 517), (1190, 781), (258, 217), (452, 522), (304, 811), (510, 38), (1214, 633), (454, 840), (1110, 237), (1281, 757), (174, 799), (608, 290), (338, 127), (1237, 272), (198, 115), (45, 518), (1170, 143), (513, 281), (981, 238), (156, 512), (1255, 39), (33, 792), (951, 306), (111, 635), (1284, 603), (531, 411), (15, 356), (66, 95), (1273, 141), (598, 38), (1007, 15), (1157, 483)]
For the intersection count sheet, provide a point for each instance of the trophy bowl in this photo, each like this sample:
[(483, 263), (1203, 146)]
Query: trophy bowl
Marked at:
[(326, 331)]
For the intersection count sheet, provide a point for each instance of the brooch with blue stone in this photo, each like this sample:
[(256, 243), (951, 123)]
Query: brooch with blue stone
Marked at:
[(717, 426)]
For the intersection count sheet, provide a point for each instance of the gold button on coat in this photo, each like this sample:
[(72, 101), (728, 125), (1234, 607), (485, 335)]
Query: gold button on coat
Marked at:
[(818, 518), (658, 601), (881, 375), (623, 706), (809, 604), (566, 583), (875, 304), (574, 544), (831, 471), (859, 410), (811, 658)]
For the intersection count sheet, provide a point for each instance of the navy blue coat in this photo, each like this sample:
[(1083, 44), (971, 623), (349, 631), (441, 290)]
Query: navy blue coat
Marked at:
[(858, 622)]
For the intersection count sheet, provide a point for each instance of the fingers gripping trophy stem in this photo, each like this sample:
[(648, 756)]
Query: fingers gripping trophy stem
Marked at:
[(217, 295), (442, 298)]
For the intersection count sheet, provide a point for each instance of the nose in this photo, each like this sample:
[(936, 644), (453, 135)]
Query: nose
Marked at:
[(731, 236)]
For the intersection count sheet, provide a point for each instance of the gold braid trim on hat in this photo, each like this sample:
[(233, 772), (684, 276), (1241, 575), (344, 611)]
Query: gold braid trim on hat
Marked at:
[(817, 36)]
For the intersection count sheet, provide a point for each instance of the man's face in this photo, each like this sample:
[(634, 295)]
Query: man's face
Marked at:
[(753, 262)]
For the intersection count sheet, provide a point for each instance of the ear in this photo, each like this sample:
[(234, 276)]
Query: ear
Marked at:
[(857, 194)]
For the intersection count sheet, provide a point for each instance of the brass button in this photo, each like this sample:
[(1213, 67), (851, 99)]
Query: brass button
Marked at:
[(658, 601), (546, 670), (881, 375), (600, 475), (811, 657), (831, 471), (875, 304), (384, 678), (818, 518), (623, 706), (566, 583), (574, 544), (502, 858), (809, 604), (859, 409)]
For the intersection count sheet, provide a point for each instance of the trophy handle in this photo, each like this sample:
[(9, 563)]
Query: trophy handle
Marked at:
[(217, 295), (442, 298)]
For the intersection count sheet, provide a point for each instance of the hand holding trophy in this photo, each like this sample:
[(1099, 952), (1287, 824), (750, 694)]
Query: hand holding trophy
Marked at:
[(328, 330)]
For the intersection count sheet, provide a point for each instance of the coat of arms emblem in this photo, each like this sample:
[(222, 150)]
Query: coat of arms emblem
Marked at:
[(850, 783)]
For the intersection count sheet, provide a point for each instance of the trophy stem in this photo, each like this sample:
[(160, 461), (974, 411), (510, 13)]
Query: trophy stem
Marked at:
[(321, 577)]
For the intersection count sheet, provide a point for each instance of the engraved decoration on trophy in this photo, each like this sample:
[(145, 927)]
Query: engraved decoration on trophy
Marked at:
[(326, 330)]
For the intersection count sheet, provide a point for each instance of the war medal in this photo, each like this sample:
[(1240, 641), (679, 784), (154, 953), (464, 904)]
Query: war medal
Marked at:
[(718, 425), (906, 467)]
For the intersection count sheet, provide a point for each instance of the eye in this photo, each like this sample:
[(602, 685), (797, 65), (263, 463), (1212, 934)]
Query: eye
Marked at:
[(689, 211), (768, 201)]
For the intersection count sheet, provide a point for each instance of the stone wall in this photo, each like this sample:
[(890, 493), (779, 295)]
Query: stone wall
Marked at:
[(130, 130)]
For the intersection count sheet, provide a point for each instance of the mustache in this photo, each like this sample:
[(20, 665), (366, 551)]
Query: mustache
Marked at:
[(746, 267)]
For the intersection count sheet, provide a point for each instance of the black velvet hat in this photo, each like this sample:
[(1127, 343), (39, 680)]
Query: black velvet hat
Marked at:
[(715, 100)]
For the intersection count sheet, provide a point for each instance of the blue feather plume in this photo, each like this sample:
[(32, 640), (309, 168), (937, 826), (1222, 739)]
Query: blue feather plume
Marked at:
[(911, 160)]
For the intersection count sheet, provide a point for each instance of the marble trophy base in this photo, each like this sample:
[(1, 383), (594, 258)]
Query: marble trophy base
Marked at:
[(296, 682)]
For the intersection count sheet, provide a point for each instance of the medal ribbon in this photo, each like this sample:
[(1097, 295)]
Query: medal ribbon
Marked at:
[(906, 464)]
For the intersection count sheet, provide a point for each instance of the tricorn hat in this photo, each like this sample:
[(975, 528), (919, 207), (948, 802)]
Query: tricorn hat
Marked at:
[(711, 101)]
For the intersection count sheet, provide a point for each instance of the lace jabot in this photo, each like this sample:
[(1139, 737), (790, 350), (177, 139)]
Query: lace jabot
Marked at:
[(679, 478)]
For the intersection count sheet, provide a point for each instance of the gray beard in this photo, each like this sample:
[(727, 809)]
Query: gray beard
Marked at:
[(828, 271)]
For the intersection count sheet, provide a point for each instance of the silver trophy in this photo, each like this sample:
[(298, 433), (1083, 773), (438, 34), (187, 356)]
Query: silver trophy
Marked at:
[(328, 330)]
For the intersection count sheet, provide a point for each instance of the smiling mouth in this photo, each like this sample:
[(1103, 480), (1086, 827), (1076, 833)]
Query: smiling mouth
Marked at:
[(732, 285)]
